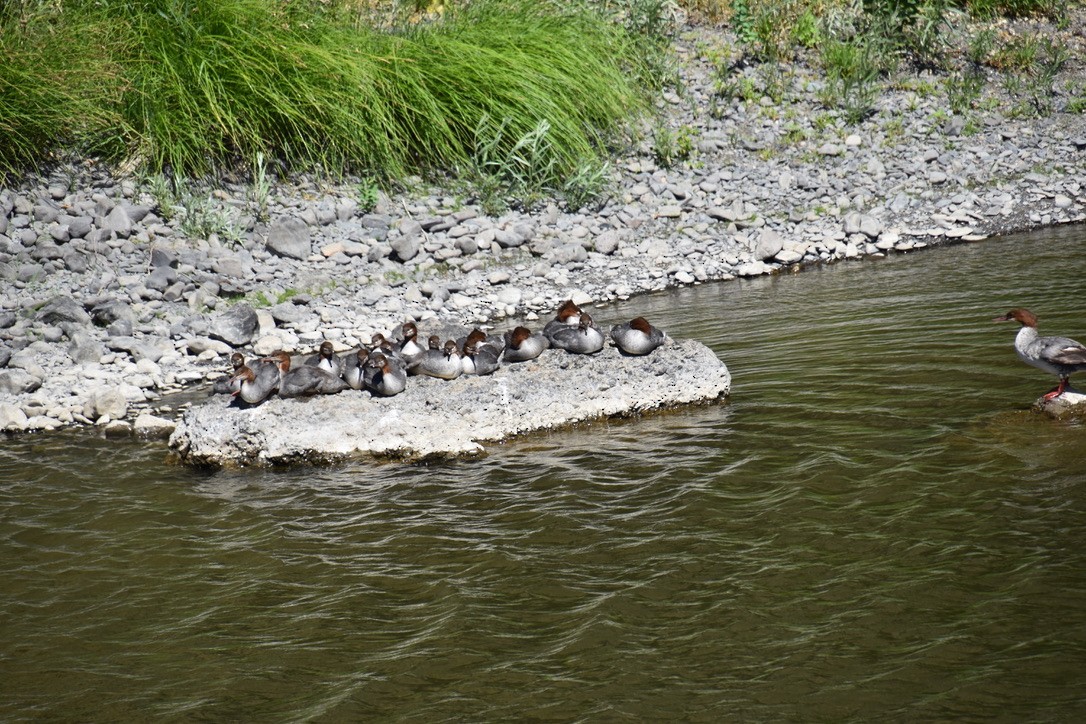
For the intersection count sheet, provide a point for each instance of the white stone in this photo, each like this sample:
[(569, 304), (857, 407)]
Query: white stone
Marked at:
[(580, 298), (12, 417), (148, 425), (267, 344)]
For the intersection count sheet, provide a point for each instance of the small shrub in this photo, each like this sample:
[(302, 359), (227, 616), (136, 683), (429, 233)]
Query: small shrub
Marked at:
[(369, 194), (964, 88), (671, 147), (852, 74)]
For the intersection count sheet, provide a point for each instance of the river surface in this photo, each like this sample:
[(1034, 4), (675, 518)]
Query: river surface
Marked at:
[(873, 527)]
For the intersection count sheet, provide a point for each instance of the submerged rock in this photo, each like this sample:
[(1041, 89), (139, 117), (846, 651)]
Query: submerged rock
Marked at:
[(435, 418)]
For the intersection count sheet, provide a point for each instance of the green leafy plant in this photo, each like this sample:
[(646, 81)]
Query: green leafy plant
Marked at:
[(852, 73), (964, 88), (369, 194)]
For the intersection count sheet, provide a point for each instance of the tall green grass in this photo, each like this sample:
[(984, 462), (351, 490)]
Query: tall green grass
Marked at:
[(60, 85), (196, 86)]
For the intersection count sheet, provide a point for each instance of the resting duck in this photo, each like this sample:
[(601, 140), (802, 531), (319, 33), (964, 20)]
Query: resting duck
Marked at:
[(1058, 356), (304, 380), (353, 368), (521, 345), (410, 348), (637, 337), (255, 386), (227, 384), (568, 315), (478, 357), (443, 363), (585, 338), (384, 378), (327, 360)]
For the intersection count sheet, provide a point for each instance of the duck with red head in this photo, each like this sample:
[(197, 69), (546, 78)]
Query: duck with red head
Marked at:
[(354, 368), (382, 377), (327, 360), (567, 315), (441, 362), (521, 345), (478, 357), (637, 337), (585, 338), (227, 384), (409, 345), (1059, 356), (255, 385), (305, 380)]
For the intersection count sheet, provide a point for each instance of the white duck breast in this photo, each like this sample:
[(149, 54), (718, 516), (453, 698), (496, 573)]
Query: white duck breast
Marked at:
[(585, 338), (637, 337), (521, 345), (383, 378)]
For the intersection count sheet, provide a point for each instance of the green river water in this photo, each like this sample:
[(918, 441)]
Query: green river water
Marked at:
[(873, 528)]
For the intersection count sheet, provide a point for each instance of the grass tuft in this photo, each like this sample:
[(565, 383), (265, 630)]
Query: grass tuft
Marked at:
[(191, 87)]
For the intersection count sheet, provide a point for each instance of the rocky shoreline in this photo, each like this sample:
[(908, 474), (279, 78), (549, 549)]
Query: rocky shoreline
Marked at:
[(114, 300)]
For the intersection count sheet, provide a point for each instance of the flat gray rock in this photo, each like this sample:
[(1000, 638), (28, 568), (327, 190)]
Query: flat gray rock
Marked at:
[(435, 418)]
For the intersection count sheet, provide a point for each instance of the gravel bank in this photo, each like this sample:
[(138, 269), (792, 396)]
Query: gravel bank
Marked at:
[(113, 301)]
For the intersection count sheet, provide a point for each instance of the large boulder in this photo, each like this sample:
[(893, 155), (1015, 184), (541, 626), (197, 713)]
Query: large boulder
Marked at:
[(105, 401), (59, 310), (236, 326), (437, 418), (289, 238)]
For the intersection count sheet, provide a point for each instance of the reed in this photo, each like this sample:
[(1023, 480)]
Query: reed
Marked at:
[(198, 86)]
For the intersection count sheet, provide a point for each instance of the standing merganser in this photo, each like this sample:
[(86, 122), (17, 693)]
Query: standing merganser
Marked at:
[(637, 336), (585, 338), (568, 315), (353, 369), (521, 345), (327, 360), (304, 380), (227, 384), (479, 358), (442, 363), (254, 386), (383, 377), (1058, 356)]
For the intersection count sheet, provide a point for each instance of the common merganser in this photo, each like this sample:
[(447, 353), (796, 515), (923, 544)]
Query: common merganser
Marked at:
[(255, 386), (227, 384), (410, 348), (568, 315), (1060, 356), (585, 338), (353, 369), (637, 337), (380, 343), (436, 362), (327, 360), (304, 380), (521, 345), (382, 377), (481, 339), (478, 358)]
